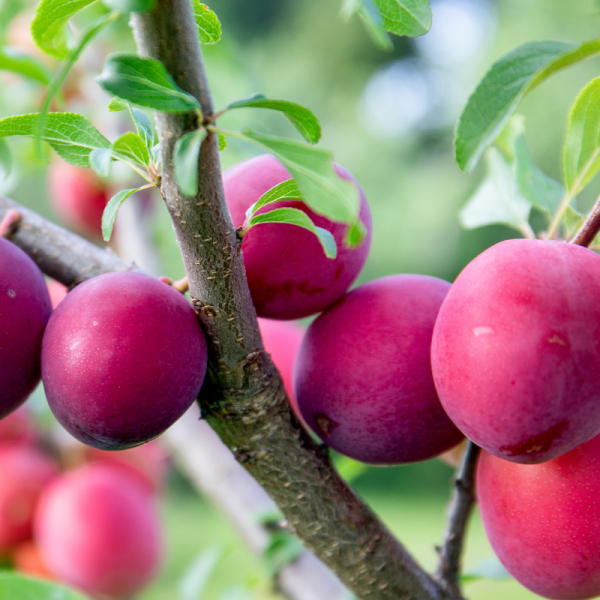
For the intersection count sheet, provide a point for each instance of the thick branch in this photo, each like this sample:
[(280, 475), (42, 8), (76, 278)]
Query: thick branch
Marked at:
[(458, 516), (589, 230), (243, 398)]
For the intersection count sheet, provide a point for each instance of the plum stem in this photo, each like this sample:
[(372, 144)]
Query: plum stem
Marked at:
[(585, 236), (462, 502)]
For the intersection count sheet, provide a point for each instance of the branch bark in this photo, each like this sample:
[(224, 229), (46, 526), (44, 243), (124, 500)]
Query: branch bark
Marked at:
[(458, 515), (243, 397)]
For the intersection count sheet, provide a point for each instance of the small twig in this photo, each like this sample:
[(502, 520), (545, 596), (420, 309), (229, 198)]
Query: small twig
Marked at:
[(181, 285), (10, 223), (585, 236), (458, 515)]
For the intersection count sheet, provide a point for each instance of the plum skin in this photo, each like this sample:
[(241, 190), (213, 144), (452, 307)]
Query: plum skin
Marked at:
[(282, 341), (543, 521), (24, 312), (99, 531), (288, 273), (78, 197), (515, 351), (123, 357), (363, 376), (25, 472)]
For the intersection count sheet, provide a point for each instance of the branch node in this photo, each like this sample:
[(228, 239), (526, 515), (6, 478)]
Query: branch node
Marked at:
[(10, 223)]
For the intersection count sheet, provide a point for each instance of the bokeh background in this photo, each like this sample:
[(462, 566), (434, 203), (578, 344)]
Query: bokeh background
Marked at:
[(388, 117)]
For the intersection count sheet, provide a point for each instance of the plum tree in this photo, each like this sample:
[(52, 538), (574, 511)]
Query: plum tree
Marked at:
[(25, 308), (288, 273), (282, 341), (543, 521), (515, 352), (78, 196), (118, 346), (99, 531), (25, 473), (363, 374)]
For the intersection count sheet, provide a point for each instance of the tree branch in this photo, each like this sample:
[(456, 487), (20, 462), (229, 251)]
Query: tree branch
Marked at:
[(243, 397), (585, 236), (259, 427), (458, 515)]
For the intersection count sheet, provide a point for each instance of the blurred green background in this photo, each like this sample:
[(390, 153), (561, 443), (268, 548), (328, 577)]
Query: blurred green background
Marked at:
[(388, 117)]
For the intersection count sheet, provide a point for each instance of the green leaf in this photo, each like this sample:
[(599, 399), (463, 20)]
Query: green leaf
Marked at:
[(301, 118), (497, 199), (405, 17), (491, 568), (140, 119), (131, 146), (13, 60), (117, 104), (222, 142), (143, 126), (572, 222), (193, 583), (357, 232), (582, 147), (286, 190), (322, 188), (498, 94), (49, 26), (61, 74), (541, 190), (185, 161), (294, 216), (70, 134), (144, 81), (209, 27), (100, 161), (283, 549), (112, 208), (5, 160), (17, 587), (140, 6)]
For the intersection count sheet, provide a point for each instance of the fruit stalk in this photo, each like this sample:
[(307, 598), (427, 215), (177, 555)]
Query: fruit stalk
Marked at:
[(459, 512), (585, 236)]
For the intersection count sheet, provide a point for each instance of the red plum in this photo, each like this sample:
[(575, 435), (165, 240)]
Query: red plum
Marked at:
[(24, 311), (288, 273), (123, 358), (516, 349), (363, 375)]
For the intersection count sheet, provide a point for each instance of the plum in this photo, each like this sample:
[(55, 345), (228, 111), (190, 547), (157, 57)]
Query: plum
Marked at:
[(543, 521), (516, 349), (363, 375), (24, 311), (288, 273), (123, 357), (24, 473), (78, 196), (100, 532), (146, 464), (282, 341)]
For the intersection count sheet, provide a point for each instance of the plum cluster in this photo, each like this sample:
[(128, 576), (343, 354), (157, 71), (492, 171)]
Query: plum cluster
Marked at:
[(397, 370), (89, 521)]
